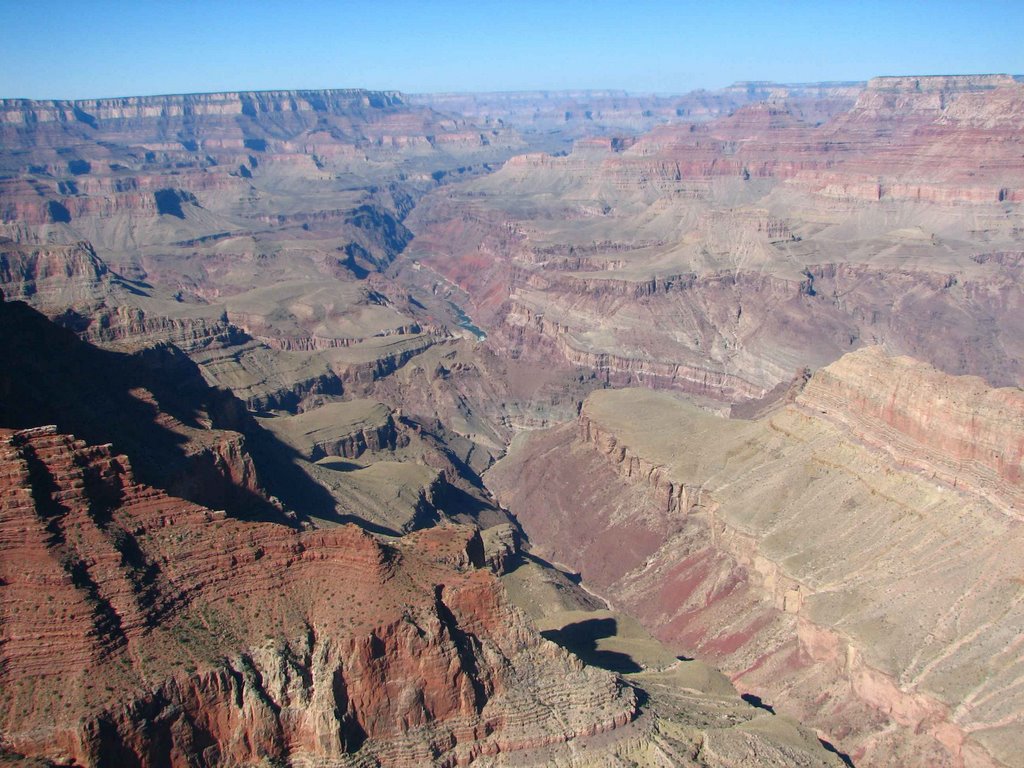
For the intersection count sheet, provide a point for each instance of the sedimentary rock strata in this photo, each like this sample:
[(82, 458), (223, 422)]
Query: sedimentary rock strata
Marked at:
[(345, 429), (167, 631), (312, 308), (720, 257), (141, 629), (187, 436), (849, 557), (959, 431)]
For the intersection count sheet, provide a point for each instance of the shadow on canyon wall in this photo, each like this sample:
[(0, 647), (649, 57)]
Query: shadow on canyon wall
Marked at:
[(581, 638), (140, 402)]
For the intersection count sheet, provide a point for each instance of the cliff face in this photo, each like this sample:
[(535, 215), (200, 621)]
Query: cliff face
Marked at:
[(247, 229), (719, 257), (176, 119), (894, 97), (141, 629), (75, 287), (735, 334), (268, 236), (188, 436), (813, 553), (960, 431)]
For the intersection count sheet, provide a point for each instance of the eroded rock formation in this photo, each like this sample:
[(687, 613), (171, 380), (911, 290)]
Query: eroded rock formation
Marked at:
[(848, 557), (719, 257), (842, 556), (959, 431), (138, 628)]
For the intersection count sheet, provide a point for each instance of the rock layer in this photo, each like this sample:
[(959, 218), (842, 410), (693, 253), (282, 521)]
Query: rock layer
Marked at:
[(960, 431), (821, 559), (720, 257), (169, 634)]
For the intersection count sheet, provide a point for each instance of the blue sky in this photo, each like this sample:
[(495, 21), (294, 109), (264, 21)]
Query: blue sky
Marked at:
[(81, 49)]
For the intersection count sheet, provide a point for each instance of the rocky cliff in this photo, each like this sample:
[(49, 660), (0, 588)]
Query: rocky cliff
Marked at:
[(179, 119), (845, 558), (959, 431), (235, 251), (247, 229), (720, 257), (188, 437), (138, 628), (75, 287), (147, 178)]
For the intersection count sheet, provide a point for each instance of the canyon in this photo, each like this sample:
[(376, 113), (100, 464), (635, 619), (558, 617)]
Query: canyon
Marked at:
[(836, 560), (720, 258), (345, 427)]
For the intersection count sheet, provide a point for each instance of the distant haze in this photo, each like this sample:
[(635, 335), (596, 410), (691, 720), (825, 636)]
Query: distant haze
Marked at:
[(94, 49)]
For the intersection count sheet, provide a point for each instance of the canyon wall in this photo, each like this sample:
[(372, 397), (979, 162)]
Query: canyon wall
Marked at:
[(721, 257), (959, 431), (832, 556), (141, 629), (847, 558)]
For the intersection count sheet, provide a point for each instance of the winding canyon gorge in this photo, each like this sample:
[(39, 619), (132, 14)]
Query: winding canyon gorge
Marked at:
[(358, 428)]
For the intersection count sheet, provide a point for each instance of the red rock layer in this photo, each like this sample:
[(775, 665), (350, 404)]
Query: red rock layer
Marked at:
[(811, 554), (960, 430), (139, 629)]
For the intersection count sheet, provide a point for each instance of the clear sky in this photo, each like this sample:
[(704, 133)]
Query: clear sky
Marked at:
[(83, 48)]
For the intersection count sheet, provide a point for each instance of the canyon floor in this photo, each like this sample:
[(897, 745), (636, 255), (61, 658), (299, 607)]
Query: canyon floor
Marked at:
[(356, 428)]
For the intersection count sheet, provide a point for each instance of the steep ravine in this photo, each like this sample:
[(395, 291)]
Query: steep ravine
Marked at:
[(844, 584)]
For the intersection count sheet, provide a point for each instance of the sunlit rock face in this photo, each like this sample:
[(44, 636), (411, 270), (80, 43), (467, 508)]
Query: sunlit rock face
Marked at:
[(721, 257), (849, 556), (139, 628)]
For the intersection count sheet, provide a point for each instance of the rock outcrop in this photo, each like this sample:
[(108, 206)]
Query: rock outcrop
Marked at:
[(76, 288), (719, 257), (846, 557), (344, 429), (189, 438), (960, 431), (138, 628)]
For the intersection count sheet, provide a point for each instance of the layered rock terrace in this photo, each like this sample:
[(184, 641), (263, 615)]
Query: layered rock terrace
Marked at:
[(720, 257), (816, 554), (154, 609)]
